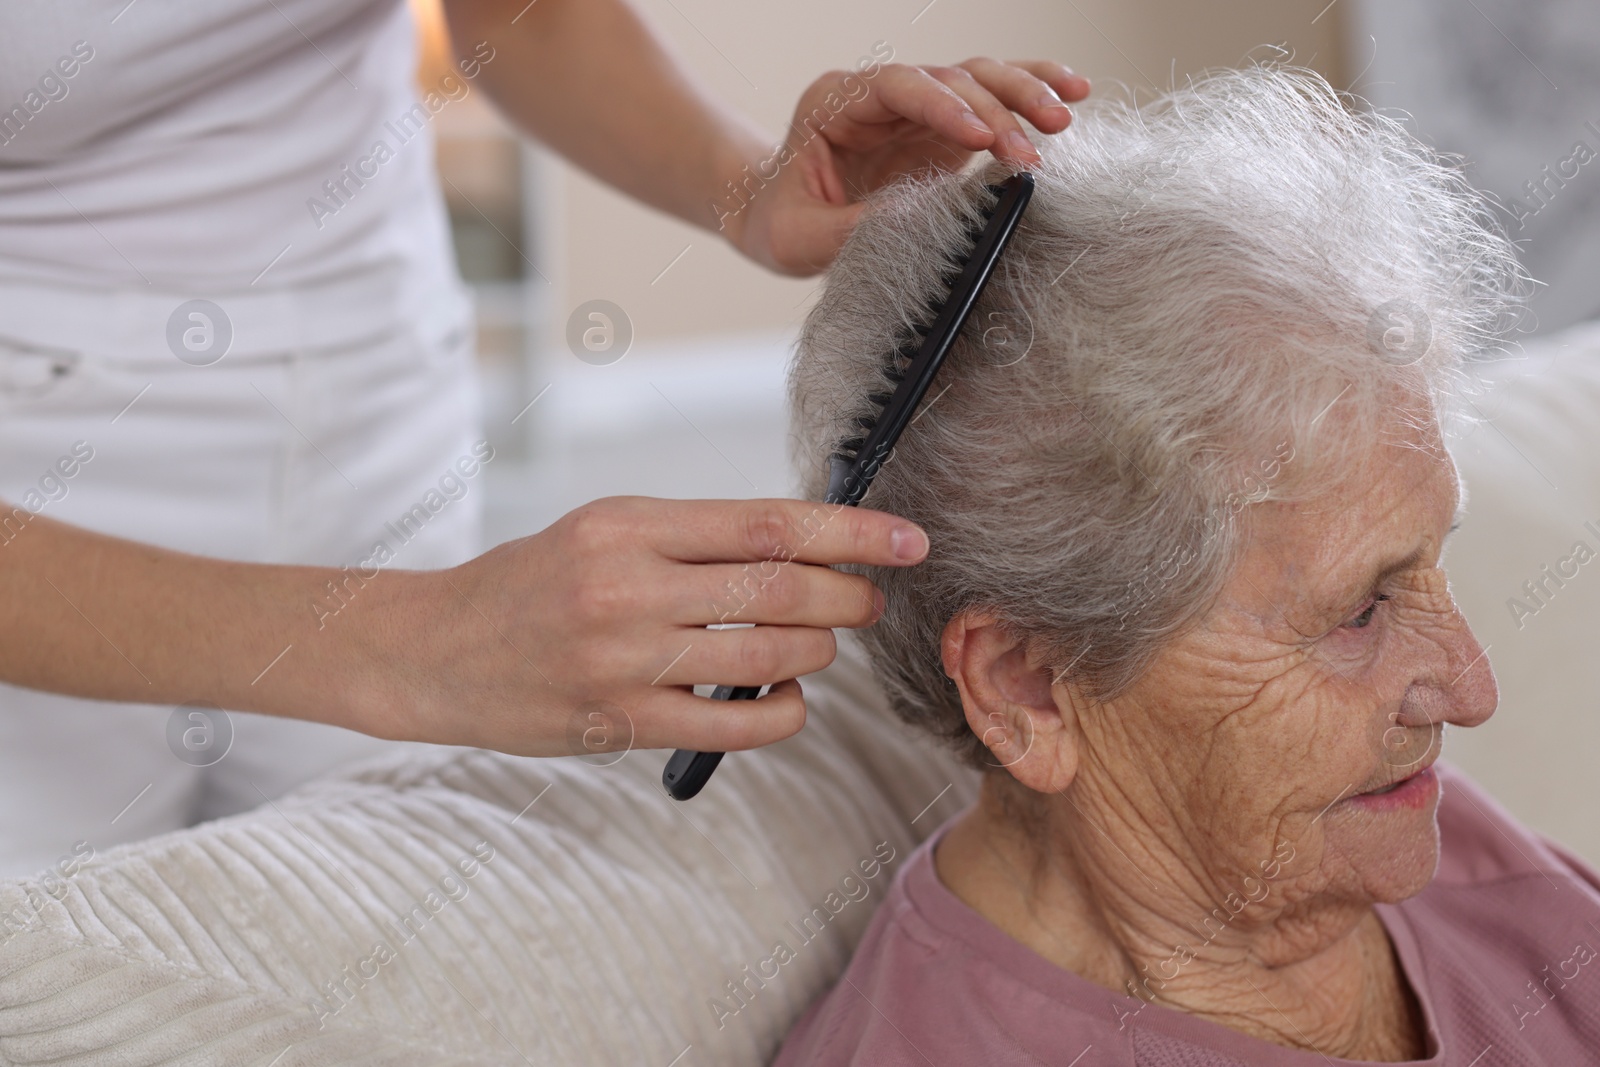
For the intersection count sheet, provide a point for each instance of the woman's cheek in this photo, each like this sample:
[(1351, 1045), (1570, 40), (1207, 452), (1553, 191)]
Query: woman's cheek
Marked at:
[(1339, 723)]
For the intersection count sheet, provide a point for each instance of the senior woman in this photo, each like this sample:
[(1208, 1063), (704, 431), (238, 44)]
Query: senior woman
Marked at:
[(1187, 496)]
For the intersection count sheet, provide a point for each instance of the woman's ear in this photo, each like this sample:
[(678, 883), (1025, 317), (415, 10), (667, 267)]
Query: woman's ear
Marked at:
[(1012, 704)]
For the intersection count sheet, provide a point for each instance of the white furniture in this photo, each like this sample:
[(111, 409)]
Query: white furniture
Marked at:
[(462, 907)]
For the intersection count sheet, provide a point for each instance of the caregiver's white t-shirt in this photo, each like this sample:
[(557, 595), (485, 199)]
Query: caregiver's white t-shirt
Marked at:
[(184, 144), (155, 152)]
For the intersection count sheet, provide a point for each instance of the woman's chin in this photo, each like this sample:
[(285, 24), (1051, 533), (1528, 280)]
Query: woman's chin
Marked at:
[(1387, 842)]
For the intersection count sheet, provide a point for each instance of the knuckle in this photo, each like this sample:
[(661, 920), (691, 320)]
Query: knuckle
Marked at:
[(806, 528), (867, 537), (857, 537), (767, 531), (592, 525), (596, 599), (760, 655), (786, 593)]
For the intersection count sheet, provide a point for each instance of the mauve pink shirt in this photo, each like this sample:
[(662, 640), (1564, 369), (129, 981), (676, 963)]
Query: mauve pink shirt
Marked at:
[(1499, 948)]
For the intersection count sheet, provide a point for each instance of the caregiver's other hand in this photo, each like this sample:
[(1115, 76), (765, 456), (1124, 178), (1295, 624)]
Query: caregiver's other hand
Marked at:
[(906, 119), (522, 648)]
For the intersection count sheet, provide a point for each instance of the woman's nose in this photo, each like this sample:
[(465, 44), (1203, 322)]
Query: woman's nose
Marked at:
[(1470, 691), (1456, 684)]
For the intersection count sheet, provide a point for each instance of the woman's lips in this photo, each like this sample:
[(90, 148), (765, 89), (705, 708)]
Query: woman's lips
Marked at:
[(1414, 792)]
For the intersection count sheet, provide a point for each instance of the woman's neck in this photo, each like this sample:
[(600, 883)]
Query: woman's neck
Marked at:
[(1309, 976)]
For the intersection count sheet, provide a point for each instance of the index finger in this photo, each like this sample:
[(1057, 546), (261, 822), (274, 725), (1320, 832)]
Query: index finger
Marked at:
[(911, 93), (745, 531)]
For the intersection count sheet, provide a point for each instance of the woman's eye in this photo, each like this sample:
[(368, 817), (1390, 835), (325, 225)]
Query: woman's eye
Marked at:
[(1365, 617)]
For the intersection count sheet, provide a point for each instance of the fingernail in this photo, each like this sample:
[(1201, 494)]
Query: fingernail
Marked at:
[(878, 604), (1020, 144), (1051, 102), (971, 119), (908, 542)]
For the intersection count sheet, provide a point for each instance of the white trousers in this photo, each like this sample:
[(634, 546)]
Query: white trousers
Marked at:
[(331, 416)]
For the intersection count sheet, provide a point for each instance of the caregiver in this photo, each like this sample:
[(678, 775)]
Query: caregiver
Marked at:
[(173, 518)]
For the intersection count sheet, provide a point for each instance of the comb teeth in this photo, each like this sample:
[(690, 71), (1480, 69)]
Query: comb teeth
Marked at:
[(905, 353), (919, 331), (952, 273)]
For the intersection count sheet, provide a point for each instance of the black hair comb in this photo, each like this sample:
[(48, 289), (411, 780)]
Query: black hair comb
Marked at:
[(913, 366)]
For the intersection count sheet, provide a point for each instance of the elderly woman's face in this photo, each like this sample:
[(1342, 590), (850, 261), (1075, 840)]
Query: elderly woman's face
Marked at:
[(1323, 676)]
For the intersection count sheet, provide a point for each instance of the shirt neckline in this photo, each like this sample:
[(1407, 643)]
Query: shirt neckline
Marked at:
[(947, 913)]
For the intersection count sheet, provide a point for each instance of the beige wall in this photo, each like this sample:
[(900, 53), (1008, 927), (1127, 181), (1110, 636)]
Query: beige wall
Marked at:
[(758, 57)]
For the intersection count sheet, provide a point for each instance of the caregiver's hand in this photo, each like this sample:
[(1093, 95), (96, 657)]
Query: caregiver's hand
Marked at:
[(608, 608), (604, 611), (593, 81), (856, 131)]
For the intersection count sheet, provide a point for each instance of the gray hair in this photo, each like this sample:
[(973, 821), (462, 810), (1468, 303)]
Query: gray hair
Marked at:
[(1194, 283)]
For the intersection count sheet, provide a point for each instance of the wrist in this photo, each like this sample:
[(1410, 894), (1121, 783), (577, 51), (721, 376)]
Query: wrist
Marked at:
[(332, 646), (736, 182), (380, 668)]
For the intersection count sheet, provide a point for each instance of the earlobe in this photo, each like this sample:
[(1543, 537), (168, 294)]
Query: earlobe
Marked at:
[(1010, 703)]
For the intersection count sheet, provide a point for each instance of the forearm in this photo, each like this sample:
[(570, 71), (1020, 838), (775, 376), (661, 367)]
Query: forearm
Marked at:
[(592, 81), (94, 616), (570, 640)]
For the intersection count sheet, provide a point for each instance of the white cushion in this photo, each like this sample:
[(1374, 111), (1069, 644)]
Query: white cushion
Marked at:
[(605, 928)]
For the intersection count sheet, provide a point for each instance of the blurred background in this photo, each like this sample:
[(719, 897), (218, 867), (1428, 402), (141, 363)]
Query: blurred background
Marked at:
[(535, 237), (693, 408)]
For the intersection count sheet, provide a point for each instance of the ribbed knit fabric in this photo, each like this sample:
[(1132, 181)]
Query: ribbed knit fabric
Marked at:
[(463, 907)]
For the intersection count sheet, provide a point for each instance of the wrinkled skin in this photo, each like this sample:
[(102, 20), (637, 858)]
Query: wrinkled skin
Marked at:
[(1236, 765)]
